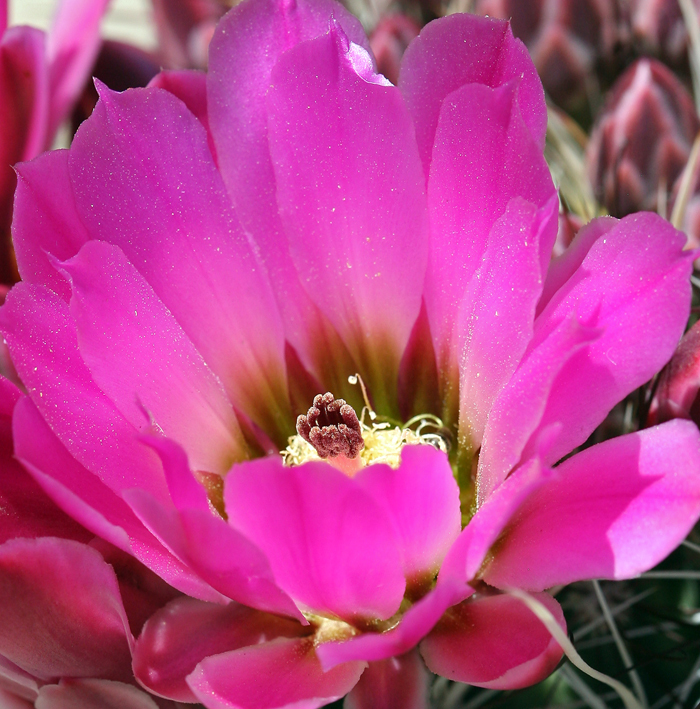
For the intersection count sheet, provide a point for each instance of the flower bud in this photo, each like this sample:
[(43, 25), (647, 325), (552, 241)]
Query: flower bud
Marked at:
[(568, 41), (641, 139), (679, 385)]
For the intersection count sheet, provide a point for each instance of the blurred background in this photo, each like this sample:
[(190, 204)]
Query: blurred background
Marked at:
[(622, 79)]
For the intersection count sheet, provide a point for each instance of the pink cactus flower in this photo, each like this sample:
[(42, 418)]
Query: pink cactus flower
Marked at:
[(214, 251)]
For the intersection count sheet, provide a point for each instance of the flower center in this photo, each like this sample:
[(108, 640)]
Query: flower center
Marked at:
[(331, 431)]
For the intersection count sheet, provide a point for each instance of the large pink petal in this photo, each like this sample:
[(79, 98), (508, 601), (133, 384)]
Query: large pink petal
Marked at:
[(484, 156), (42, 340), (468, 553), (145, 180), (141, 359), (497, 312), (93, 504), (191, 88), (178, 637), (464, 49), (351, 196), (564, 266), (415, 624), (396, 683), (197, 534), (494, 641), (280, 673), (62, 615), (635, 273), (71, 49), (92, 694), (330, 546), (247, 44), (518, 408), (45, 220), (422, 499), (612, 511)]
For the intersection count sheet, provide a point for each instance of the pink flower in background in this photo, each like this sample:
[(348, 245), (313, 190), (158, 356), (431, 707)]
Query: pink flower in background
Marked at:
[(41, 75), (214, 251)]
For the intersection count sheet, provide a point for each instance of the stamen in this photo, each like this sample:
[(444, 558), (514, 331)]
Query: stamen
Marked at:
[(331, 426)]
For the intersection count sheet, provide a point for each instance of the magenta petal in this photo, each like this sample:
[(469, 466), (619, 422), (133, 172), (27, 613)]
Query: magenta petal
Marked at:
[(72, 47), (45, 220), (93, 504), (474, 543), (145, 181), (62, 615), (395, 683), (635, 273), (245, 48), (497, 312), (178, 637), (494, 641), (351, 196), (517, 411), (286, 673), (484, 156), (191, 88), (422, 498), (415, 624), (141, 359), (564, 266), (612, 511), (42, 340), (221, 556), (330, 546), (464, 49), (92, 694)]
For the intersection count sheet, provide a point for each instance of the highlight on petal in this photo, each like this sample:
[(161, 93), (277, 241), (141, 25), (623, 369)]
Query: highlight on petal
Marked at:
[(92, 694), (178, 637), (612, 511), (286, 673), (331, 547), (352, 200), (422, 499), (396, 683), (61, 613), (464, 49), (494, 641)]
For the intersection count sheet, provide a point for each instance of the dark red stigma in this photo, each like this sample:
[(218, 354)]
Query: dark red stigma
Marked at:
[(331, 426)]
